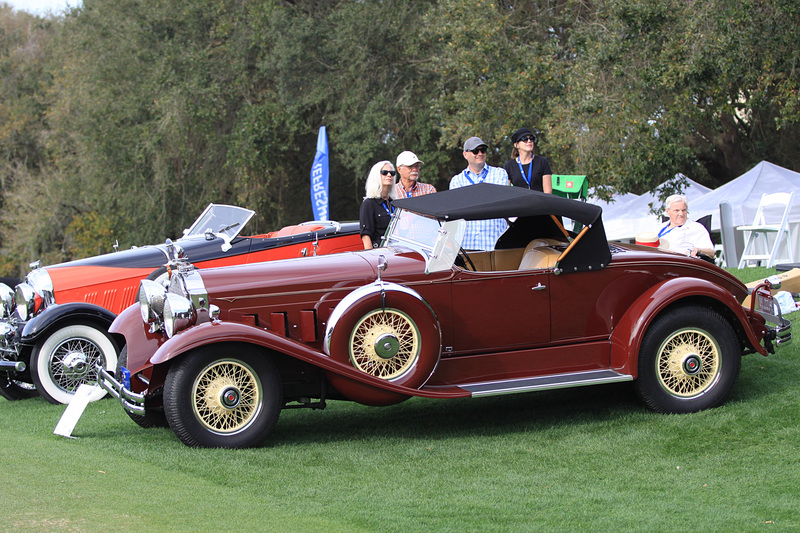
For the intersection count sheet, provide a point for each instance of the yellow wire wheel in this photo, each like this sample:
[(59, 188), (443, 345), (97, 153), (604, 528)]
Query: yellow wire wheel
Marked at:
[(385, 343), (226, 396), (688, 362)]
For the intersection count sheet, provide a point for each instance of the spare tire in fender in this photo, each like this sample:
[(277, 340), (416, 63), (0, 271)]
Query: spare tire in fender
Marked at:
[(387, 331)]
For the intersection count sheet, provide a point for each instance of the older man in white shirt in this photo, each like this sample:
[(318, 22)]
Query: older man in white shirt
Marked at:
[(684, 235)]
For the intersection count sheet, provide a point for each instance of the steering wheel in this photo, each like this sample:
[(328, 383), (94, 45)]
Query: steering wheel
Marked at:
[(463, 252)]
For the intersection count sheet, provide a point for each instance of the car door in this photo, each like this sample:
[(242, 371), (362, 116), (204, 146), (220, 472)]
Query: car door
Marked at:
[(500, 310)]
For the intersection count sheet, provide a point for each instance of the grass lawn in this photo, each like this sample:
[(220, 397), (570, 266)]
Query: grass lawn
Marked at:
[(582, 459)]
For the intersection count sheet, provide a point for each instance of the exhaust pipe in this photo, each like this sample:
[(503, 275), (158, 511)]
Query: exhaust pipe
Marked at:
[(13, 366)]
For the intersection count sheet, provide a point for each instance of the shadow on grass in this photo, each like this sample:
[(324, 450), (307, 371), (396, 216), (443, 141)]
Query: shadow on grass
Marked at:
[(420, 418)]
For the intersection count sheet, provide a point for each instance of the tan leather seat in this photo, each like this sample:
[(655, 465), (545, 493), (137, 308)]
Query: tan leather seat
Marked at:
[(539, 254)]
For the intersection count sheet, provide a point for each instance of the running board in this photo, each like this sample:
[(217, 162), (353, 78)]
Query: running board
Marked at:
[(554, 381)]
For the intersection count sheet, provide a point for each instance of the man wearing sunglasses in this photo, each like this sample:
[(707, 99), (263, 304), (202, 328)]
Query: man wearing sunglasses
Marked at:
[(480, 234), (408, 167)]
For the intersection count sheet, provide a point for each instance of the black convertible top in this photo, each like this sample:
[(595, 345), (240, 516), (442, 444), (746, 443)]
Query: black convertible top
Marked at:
[(534, 212), (485, 200)]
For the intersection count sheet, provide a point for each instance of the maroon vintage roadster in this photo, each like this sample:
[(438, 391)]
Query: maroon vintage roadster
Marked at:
[(223, 350)]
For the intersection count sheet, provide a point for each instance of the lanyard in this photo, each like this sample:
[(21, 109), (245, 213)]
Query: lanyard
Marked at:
[(530, 171), (481, 176), (664, 230), (388, 212)]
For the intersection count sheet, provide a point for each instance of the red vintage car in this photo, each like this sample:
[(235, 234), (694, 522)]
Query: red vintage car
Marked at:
[(54, 325), (222, 351)]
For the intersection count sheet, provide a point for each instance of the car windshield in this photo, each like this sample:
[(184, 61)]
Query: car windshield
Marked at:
[(438, 242), (224, 220), (414, 230)]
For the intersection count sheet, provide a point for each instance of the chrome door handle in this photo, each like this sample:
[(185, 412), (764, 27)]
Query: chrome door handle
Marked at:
[(539, 287)]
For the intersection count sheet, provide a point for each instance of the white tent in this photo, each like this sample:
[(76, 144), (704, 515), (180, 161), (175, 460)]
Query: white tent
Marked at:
[(745, 192), (629, 218)]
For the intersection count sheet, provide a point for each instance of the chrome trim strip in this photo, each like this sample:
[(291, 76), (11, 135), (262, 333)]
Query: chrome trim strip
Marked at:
[(553, 381)]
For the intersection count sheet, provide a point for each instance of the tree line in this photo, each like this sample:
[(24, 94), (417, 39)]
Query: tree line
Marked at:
[(121, 119)]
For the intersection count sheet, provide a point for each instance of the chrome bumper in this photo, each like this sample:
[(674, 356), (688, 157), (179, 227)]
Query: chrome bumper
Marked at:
[(778, 336), (131, 401)]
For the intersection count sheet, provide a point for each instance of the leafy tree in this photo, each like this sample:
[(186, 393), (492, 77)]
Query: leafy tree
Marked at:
[(25, 77), (703, 88)]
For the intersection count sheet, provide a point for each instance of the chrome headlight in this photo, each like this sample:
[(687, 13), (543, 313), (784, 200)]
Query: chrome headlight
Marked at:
[(6, 300), (34, 294), (179, 314), (151, 300), (40, 280), (26, 300)]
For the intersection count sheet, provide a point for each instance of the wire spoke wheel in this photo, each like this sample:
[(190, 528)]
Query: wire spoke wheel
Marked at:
[(67, 358), (688, 362), (223, 401), (226, 396), (73, 362), (385, 344)]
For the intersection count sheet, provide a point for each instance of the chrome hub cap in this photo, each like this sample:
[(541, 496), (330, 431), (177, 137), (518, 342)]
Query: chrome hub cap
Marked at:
[(75, 365), (691, 365), (230, 398), (387, 346)]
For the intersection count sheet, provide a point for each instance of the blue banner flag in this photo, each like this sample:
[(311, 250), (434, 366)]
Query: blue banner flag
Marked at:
[(319, 177)]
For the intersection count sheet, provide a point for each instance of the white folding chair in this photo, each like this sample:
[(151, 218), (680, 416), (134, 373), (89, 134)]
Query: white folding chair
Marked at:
[(771, 208)]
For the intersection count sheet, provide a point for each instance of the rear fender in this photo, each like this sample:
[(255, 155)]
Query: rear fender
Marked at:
[(225, 332), (57, 315), (627, 336)]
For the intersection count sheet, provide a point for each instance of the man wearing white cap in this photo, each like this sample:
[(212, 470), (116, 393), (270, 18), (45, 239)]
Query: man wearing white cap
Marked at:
[(408, 166), (480, 234)]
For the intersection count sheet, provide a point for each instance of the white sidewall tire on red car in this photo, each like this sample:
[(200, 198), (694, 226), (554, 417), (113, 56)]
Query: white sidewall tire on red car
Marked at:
[(392, 335), (223, 396), (689, 361), (66, 359)]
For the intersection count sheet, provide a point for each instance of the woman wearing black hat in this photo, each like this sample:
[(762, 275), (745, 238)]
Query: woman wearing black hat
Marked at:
[(526, 169)]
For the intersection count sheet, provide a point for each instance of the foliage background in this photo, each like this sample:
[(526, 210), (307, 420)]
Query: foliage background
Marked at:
[(122, 119)]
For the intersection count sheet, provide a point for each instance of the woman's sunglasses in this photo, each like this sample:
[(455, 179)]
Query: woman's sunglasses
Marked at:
[(527, 138), (388, 172)]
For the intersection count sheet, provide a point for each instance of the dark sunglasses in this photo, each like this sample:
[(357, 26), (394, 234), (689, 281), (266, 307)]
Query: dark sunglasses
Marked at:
[(388, 172), (526, 139), (479, 150)]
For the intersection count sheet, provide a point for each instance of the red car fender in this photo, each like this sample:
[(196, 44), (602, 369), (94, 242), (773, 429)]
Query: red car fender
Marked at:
[(223, 332), (627, 337)]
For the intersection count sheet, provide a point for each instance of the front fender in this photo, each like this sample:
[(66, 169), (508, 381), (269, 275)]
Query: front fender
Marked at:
[(627, 336), (58, 314), (223, 332), (140, 341)]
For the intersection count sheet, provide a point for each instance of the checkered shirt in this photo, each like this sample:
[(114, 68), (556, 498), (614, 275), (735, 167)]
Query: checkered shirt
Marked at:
[(417, 190), (481, 234)]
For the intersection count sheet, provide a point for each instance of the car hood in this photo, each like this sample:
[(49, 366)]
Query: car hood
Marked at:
[(249, 282), (307, 278)]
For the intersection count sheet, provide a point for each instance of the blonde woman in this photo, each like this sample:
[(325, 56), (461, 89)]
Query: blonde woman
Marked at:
[(376, 209)]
